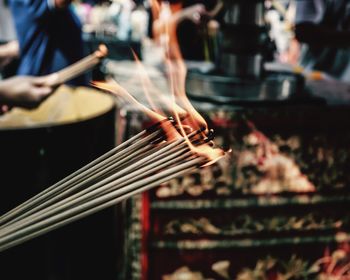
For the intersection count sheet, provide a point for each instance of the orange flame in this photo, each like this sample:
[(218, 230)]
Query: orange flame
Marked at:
[(155, 8), (116, 89), (177, 77), (146, 85), (176, 71), (151, 91), (119, 91), (204, 150)]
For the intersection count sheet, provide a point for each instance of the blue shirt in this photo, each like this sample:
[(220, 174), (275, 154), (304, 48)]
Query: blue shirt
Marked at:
[(49, 38)]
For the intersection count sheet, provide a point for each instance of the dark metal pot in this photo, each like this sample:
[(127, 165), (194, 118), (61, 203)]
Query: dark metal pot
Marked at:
[(32, 158)]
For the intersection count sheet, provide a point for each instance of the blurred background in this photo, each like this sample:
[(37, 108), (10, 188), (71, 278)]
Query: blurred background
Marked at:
[(271, 77)]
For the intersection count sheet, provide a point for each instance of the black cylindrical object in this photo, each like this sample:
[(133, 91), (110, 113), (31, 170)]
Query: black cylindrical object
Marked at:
[(33, 159), (244, 38), (244, 12)]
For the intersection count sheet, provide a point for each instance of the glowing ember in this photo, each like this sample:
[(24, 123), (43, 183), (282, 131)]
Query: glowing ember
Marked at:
[(181, 130), (177, 77)]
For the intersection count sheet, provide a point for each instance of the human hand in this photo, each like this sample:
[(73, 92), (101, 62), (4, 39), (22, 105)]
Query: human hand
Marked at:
[(24, 91), (194, 13), (292, 54)]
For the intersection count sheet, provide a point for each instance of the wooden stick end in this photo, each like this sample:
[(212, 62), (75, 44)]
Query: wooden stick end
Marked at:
[(102, 51)]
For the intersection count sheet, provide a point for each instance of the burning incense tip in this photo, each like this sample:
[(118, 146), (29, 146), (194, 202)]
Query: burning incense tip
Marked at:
[(202, 129), (210, 135), (158, 124)]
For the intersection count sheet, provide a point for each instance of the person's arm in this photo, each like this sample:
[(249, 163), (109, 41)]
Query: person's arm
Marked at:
[(8, 52), (24, 91), (61, 4), (315, 34), (192, 13)]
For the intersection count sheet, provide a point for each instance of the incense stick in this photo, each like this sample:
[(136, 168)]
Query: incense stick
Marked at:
[(140, 163), (58, 222), (107, 197), (77, 68), (64, 190), (100, 189), (75, 175)]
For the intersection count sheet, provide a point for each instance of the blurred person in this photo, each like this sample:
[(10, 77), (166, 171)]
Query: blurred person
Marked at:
[(323, 29), (24, 91), (49, 36), (184, 18)]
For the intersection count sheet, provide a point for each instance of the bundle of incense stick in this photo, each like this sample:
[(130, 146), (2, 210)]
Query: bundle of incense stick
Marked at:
[(142, 162), (77, 68)]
